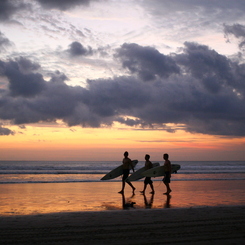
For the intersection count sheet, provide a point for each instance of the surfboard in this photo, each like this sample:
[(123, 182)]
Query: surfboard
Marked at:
[(138, 174), (117, 171), (159, 171)]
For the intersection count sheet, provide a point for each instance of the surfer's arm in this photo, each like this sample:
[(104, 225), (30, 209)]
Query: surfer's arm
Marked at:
[(132, 165)]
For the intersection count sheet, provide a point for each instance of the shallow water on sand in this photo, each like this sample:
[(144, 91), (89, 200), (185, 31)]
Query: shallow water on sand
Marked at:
[(39, 198)]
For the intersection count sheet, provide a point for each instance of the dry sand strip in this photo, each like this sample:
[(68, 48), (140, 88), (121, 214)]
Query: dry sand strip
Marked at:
[(208, 225)]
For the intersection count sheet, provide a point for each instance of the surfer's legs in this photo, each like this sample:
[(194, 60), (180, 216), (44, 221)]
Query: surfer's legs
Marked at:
[(152, 188), (166, 181), (143, 192), (146, 182), (124, 179), (131, 186), (123, 186), (125, 176)]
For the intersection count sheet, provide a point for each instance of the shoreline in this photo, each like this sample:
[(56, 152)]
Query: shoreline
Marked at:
[(206, 225), (115, 211)]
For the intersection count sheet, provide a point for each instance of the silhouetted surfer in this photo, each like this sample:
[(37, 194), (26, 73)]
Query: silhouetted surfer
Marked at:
[(148, 165), (167, 170), (127, 164)]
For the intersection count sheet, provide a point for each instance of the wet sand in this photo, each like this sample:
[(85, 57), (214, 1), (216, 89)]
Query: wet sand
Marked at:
[(197, 212), (25, 199)]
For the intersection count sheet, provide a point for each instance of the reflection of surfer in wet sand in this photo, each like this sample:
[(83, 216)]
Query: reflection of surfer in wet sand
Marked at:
[(167, 203), (127, 164), (148, 204), (129, 203), (148, 165)]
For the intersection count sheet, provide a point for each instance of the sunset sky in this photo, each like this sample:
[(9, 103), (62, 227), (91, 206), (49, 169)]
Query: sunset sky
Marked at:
[(89, 79)]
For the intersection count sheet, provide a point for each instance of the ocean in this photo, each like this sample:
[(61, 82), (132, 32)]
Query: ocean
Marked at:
[(93, 171)]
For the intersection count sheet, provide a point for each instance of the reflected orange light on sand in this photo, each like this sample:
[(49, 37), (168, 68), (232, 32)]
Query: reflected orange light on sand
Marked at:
[(38, 198)]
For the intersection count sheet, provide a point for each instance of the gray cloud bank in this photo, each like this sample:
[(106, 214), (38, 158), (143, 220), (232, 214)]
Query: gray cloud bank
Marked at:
[(10, 7), (198, 88), (222, 8)]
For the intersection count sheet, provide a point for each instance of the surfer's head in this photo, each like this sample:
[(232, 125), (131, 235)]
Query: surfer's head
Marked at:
[(125, 154), (147, 157), (165, 156)]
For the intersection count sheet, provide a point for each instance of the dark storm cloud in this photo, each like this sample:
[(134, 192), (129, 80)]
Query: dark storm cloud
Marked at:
[(207, 95), (238, 31), (27, 66), (29, 98), (146, 62), (22, 83), (198, 88), (77, 49), (210, 68), (62, 4), (9, 7)]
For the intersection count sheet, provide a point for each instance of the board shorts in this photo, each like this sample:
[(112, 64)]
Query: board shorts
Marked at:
[(125, 174), (148, 180), (166, 178)]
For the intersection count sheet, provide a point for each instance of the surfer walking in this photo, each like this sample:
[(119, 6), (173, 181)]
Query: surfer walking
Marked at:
[(127, 164), (148, 165), (167, 170)]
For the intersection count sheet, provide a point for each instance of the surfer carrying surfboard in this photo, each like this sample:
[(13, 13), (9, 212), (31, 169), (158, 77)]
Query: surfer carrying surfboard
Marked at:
[(167, 170), (148, 165), (127, 164)]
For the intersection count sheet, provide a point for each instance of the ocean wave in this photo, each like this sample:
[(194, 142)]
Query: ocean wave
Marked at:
[(114, 180), (93, 172), (51, 172), (54, 181), (68, 172)]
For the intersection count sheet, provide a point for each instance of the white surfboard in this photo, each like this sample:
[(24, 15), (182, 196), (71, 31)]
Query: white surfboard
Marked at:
[(159, 171), (138, 174), (117, 171)]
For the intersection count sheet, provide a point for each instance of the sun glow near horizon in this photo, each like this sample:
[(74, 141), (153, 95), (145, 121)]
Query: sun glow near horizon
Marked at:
[(59, 142)]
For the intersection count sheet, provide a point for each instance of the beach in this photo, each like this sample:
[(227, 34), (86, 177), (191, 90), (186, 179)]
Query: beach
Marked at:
[(208, 225), (196, 212)]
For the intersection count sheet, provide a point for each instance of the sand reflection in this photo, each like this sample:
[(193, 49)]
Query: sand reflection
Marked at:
[(148, 202), (167, 203), (21, 199)]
